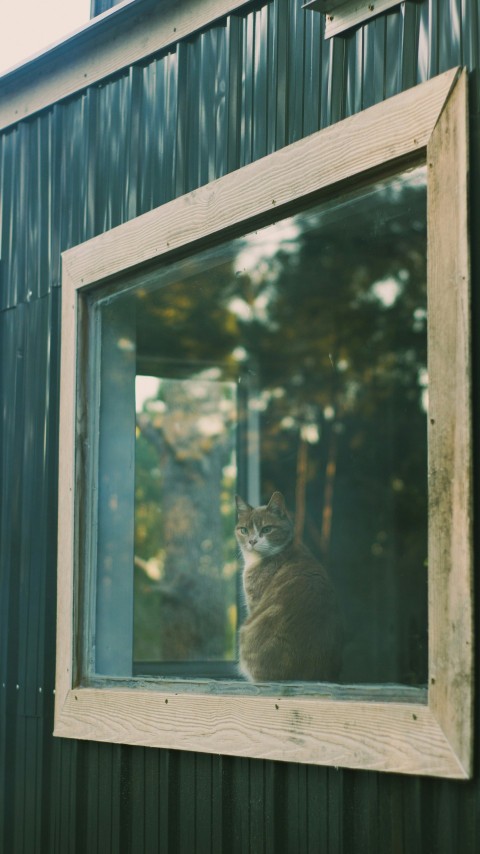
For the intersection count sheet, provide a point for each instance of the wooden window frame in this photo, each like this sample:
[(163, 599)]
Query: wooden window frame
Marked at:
[(410, 731)]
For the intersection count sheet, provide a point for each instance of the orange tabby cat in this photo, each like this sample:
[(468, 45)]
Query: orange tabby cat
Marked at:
[(293, 630)]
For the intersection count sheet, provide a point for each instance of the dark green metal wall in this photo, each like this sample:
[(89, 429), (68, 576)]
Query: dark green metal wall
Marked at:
[(247, 86)]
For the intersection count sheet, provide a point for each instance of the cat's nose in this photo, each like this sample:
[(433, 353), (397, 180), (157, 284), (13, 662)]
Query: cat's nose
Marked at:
[(253, 540)]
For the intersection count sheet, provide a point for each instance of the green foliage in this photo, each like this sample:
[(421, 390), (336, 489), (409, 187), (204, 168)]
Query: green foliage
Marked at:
[(321, 322)]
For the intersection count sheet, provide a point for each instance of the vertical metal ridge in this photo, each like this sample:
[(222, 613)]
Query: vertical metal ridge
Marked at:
[(314, 46), (277, 46), (8, 278), (157, 128), (296, 54)]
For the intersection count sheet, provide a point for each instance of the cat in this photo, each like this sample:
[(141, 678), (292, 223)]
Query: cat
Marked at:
[(293, 630)]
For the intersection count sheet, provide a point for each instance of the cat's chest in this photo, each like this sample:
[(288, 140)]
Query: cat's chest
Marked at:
[(250, 560), (258, 575)]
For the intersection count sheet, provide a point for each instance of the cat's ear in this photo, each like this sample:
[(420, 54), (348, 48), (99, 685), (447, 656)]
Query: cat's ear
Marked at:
[(277, 504), (242, 506)]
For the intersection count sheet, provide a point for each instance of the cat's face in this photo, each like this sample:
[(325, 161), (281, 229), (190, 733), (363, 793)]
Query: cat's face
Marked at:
[(262, 531)]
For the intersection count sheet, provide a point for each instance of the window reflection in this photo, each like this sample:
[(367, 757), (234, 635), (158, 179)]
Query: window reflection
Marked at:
[(185, 588), (292, 359)]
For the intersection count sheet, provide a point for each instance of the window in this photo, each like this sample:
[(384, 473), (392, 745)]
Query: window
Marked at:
[(293, 358), (279, 330)]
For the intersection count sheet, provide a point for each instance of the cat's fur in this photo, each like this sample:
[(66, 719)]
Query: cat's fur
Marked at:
[(293, 629)]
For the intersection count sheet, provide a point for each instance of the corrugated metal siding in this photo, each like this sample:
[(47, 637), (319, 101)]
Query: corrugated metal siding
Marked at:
[(225, 97)]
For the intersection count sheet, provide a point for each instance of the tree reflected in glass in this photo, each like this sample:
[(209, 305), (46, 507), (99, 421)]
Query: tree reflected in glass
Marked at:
[(293, 359)]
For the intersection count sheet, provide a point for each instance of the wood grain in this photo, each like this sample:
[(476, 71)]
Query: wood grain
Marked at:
[(66, 496), (345, 14), (450, 429), (382, 736)]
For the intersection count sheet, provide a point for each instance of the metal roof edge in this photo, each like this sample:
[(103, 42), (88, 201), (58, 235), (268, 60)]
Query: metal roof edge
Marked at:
[(119, 14), (125, 34)]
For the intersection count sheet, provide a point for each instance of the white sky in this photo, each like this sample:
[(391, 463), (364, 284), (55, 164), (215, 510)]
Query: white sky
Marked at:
[(29, 26)]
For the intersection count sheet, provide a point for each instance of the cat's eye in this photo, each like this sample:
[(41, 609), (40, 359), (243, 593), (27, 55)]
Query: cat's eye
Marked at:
[(267, 529), (243, 530)]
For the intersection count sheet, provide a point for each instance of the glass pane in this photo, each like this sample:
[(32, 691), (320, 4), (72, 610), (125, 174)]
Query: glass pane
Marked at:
[(290, 360), (185, 561)]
